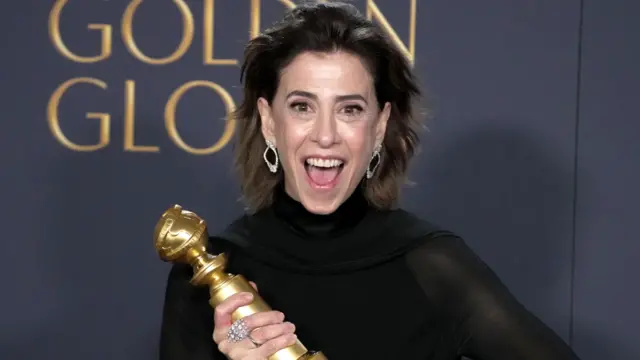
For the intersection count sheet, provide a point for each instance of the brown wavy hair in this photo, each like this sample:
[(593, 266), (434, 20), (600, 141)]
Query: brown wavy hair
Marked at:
[(326, 27)]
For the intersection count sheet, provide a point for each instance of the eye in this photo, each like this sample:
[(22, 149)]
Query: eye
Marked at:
[(352, 110), (299, 106)]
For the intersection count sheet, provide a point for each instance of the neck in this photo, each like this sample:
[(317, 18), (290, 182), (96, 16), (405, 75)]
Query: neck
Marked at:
[(287, 236), (305, 223)]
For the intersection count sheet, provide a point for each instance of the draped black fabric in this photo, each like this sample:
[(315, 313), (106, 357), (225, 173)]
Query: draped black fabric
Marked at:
[(362, 284)]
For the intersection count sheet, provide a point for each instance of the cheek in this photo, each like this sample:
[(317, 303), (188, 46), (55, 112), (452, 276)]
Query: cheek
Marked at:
[(291, 135), (358, 139)]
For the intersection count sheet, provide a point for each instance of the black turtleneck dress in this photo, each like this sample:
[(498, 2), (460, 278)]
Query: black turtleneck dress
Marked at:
[(362, 284)]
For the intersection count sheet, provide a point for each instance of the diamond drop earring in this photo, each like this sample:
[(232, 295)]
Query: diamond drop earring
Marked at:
[(375, 159), (273, 166)]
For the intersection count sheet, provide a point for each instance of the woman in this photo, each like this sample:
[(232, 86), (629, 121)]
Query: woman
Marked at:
[(325, 136)]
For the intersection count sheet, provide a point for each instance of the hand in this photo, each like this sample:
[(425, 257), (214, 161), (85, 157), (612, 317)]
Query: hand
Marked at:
[(268, 333)]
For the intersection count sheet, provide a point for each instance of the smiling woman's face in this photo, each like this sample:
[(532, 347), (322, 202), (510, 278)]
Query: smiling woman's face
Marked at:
[(325, 122)]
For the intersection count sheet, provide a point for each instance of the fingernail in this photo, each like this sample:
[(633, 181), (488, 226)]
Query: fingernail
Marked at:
[(248, 296)]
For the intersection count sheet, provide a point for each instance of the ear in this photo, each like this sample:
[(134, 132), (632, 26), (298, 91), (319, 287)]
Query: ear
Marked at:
[(381, 126), (266, 120)]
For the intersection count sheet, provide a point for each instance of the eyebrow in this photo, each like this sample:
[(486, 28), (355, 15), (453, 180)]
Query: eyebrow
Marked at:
[(338, 98)]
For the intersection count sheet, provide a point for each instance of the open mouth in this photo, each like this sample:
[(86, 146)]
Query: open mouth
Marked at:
[(323, 173)]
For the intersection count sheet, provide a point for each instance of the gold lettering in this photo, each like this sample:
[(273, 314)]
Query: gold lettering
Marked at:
[(254, 27), (185, 43), (288, 3), (56, 37), (209, 27), (130, 121), (170, 117), (54, 121), (373, 12)]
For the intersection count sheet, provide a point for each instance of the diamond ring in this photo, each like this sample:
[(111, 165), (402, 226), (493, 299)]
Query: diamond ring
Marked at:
[(238, 331)]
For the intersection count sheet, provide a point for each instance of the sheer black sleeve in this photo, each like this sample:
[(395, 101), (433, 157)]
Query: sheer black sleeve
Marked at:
[(187, 320), (490, 324)]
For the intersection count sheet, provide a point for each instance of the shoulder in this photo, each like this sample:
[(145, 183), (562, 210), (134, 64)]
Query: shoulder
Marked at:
[(435, 249), (431, 246), (446, 256), (439, 245), (449, 270), (444, 253), (406, 224), (426, 236)]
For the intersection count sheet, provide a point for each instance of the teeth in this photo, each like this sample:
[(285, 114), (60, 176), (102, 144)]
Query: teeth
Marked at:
[(324, 163)]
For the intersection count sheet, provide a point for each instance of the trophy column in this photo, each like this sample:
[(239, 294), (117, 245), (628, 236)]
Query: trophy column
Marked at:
[(180, 237)]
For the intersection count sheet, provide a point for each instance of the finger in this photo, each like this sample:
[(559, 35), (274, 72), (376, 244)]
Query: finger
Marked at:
[(230, 348), (255, 287), (225, 347), (252, 322), (274, 345), (238, 350), (235, 350), (222, 313), (263, 334), (260, 319)]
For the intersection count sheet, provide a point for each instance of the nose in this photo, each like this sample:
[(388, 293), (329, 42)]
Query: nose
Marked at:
[(325, 130)]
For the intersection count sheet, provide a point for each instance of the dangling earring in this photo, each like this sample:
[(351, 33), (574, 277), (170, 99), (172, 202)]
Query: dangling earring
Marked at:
[(273, 167), (375, 158)]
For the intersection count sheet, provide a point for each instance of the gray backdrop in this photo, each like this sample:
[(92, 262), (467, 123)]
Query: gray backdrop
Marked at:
[(532, 156)]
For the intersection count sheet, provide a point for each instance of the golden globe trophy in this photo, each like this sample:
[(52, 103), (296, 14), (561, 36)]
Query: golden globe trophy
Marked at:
[(180, 236)]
